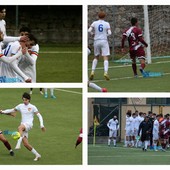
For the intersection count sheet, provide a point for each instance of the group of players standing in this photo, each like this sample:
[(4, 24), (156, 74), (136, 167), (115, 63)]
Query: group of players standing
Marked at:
[(143, 130), (18, 55)]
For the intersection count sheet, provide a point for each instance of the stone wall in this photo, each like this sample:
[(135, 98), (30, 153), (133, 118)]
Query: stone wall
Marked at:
[(52, 24)]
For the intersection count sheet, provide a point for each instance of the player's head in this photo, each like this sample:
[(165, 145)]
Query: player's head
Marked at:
[(114, 117), (32, 41), (2, 12), (146, 118), (134, 21), (24, 31), (26, 98), (129, 113), (101, 15)]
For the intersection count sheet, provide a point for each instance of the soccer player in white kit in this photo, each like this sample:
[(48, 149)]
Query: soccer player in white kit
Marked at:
[(27, 111), (93, 85), (101, 30), (28, 62), (128, 128), (155, 132), (113, 126)]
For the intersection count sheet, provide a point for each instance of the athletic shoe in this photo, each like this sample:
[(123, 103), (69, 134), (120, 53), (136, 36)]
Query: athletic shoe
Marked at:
[(106, 76), (37, 157), (46, 96), (144, 73), (114, 145), (91, 76), (11, 153), (136, 76), (53, 97), (104, 90), (145, 150), (163, 150), (41, 92)]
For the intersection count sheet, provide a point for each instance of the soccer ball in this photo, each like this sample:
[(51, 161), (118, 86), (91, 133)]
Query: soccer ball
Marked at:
[(15, 135)]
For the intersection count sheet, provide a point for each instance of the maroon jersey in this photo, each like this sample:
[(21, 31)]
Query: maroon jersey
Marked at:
[(134, 35), (164, 129)]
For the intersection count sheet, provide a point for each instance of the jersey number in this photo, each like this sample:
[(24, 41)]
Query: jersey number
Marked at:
[(7, 50), (100, 28)]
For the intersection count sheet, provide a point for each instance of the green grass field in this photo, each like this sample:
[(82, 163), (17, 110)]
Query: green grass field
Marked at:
[(122, 80), (62, 119), (104, 155), (59, 64)]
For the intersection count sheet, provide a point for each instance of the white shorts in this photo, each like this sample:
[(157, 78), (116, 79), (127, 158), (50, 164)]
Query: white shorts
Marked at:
[(128, 132), (112, 133), (101, 47), (155, 136), (28, 127)]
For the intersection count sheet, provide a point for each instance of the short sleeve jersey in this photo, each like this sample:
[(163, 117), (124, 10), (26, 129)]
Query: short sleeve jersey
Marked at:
[(100, 29), (133, 33)]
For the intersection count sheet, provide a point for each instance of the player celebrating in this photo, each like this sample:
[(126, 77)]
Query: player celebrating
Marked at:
[(27, 111), (113, 126), (134, 35), (27, 63), (101, 30)]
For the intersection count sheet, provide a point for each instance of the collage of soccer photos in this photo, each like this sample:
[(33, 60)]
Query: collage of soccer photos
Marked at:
[(84, 85)]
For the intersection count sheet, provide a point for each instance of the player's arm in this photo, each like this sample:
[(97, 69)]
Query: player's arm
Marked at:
[(10, 112), (109, 32), (14, 66), (143, 41), (41, 121), (7, 39), (31, 57), (10, 59)]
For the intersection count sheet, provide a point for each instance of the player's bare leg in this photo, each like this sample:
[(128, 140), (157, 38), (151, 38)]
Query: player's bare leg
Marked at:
[(21, 128), (106, 67), (30, 148), (6, 143)]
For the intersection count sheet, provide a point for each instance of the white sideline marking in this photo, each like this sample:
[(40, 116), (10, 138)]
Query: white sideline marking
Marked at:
[(123, 78), (60, 52), (129, 65), (68, 91), (127, 155)]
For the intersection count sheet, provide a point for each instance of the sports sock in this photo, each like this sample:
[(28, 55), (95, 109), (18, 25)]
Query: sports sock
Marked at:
[(146, 144), (109, 140), (106, 66), (134, 67), (52, 91), (7, 145), (34, 152), (94, 64), (94, 86), (114, 141)]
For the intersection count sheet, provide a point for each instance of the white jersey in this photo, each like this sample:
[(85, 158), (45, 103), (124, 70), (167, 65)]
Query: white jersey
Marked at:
[(27, 113), (155, 126), (128, 123), (3, 27), (27, 64), (101, 28), (113, 124)]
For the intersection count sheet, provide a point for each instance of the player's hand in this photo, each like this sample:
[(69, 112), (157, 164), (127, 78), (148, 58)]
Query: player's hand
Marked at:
[(1, 36), (43, 129), (24, 38), (24, 50), (28, 80)]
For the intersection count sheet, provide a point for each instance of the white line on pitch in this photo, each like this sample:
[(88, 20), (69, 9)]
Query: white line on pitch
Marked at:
[(61, 52), (68, 91)]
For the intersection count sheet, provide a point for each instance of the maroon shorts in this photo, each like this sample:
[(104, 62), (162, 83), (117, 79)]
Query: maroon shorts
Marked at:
[(139, 53)]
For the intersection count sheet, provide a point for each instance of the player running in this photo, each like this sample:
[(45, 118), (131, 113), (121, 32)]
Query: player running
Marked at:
[(135, 40), (101, 30), (27, 111)]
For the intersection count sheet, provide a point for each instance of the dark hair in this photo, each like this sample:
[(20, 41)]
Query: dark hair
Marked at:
[(2, 7), (32, 38), (134, 21), (25, 29), (26, 95)]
